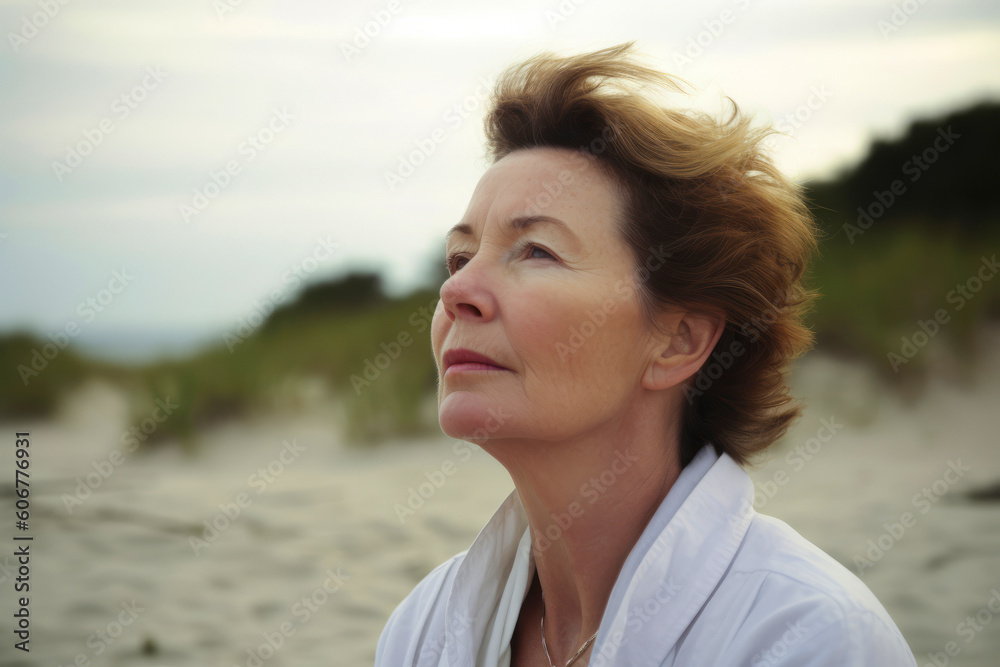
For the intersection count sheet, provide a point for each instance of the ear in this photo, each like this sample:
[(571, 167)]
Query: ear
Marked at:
[(679, 355)]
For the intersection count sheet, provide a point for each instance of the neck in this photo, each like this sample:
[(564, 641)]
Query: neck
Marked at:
[(587, 502)]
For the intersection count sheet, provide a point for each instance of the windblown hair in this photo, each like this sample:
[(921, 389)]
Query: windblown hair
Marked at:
[(737, 233)]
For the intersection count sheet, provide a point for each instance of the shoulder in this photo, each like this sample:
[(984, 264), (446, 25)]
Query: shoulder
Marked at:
[(772, 547), (799, 606), (418, 618)]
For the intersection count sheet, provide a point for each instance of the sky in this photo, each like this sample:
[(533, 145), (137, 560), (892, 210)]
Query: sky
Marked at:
[(169, 169)]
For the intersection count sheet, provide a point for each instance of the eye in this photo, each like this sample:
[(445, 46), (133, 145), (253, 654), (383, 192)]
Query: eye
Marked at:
[(532, 249), (455, 261), (451, 261)]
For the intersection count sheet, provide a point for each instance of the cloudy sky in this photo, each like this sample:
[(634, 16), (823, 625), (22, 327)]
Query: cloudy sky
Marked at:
[(166, 166)]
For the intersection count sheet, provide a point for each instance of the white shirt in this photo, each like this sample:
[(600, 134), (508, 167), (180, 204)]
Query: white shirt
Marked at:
[(709, 583)]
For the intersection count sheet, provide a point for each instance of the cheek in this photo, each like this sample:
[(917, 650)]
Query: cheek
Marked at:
[(580, 337), (439, 331)]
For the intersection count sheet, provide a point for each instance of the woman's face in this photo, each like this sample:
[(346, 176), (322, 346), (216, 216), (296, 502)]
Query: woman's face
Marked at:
[(553, 304)]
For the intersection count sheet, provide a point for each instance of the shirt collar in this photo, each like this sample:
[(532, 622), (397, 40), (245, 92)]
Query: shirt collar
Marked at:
[(676, 563)]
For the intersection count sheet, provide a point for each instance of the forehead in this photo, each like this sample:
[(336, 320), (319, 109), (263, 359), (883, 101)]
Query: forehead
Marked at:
[(542, 181)]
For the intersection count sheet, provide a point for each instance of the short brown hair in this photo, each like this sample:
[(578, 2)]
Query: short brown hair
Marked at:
[(737, 232)]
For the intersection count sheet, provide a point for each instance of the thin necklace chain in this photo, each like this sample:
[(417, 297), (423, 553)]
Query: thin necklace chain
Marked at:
[(546, 648)]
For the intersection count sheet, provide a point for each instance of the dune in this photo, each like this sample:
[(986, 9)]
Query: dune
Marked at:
[(277, 544)]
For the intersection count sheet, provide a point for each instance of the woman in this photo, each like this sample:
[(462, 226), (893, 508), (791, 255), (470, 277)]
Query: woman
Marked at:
[(624, 297)]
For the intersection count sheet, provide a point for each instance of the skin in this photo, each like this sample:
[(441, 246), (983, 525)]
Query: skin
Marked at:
[(555, 419)]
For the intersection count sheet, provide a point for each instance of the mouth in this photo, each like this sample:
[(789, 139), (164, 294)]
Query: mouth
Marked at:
[(460, 360)]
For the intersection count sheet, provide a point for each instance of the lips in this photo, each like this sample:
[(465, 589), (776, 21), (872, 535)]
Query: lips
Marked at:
[(460, 359)]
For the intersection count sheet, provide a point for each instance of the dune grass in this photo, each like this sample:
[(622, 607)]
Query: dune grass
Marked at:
[(356, 356), (377, 363), (876, 292)]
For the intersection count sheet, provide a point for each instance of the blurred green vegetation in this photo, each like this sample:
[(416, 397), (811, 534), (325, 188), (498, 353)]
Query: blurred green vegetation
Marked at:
[(878, 290), (330, 344), (903, 231), (372, 353)]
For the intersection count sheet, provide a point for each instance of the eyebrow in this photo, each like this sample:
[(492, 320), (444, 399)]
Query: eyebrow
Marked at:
[(519, 223)]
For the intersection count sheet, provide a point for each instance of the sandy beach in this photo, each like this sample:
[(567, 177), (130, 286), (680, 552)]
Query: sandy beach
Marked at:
[(277, 544)]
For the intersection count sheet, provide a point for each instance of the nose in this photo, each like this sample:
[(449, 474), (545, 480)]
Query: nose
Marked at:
[(468, 295)]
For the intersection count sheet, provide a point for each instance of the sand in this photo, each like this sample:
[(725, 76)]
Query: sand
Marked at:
[(314, 552)]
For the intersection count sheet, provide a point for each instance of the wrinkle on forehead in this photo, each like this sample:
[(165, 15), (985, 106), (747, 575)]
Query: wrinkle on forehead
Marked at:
[(548, 180)]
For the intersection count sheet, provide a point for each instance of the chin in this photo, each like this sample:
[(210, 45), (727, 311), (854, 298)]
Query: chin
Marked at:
[(468, 416)]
